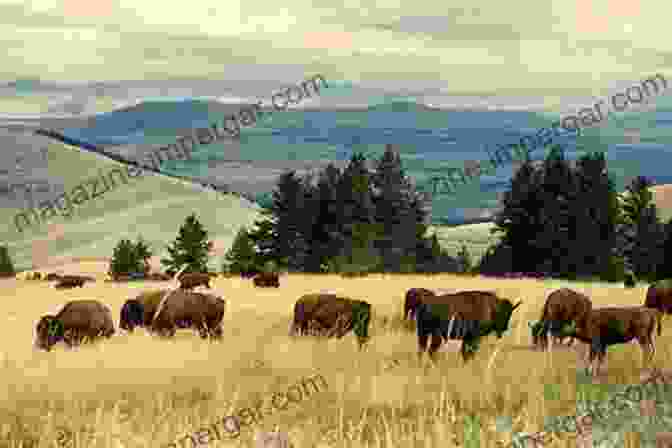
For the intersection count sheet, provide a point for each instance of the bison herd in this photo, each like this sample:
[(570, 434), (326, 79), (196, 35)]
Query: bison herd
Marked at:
[(467, 316)]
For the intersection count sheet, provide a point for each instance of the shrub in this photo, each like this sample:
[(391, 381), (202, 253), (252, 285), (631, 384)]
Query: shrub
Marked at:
[(6, 265), (130, 259)]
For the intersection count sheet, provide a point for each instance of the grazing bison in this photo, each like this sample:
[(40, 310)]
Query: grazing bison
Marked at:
[(331, 315), (77, 320), (414, 298), (190, 280), (561, 308), (186, 309), (266, 280), (467, 315), (145, 305), (659, 296), (70, 281), (609, 326)]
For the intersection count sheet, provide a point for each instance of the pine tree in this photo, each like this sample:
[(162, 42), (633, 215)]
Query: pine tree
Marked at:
[(520, 222), (6, 265), (643, 232), (241, 258), (664, 269), (191, 247), (464, 259), (142, 254), (596, 213), (397, 211), (124, 260)]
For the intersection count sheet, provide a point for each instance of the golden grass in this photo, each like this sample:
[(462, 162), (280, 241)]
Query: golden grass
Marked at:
[(140, 391)]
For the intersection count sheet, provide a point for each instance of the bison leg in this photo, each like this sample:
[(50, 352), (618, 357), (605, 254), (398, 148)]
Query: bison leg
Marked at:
[(434, 345), (422, 344), (216, 332)]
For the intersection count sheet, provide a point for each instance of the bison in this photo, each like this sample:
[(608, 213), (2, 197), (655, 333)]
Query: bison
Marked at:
[(330, 315), (608, 326), (266, 280), (186, 309), (466, 315), (139, 311), (659, 296), (77, 320), (414, 298), (561, 308), (70, 281), (190, 280)]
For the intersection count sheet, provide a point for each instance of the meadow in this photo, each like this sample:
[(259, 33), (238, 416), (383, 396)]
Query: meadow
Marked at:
[(135, 390)]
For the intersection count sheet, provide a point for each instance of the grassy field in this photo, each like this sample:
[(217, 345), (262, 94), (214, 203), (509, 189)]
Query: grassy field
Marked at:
[(138, 391)]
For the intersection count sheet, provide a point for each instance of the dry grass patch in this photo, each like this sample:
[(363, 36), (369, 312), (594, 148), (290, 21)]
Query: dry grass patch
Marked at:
[(139, 391)]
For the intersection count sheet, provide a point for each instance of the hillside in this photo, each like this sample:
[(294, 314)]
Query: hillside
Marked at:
[(153, 206)]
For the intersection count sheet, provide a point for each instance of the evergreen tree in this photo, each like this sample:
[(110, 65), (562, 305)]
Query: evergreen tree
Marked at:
[(325, 232), (464, 259), (241, 258), (6, 265), (643, 232), (124, 259), (520, 222), (398, 212), (357, 231), (142, 253), (664, 269), (191, 247), (596, 213)]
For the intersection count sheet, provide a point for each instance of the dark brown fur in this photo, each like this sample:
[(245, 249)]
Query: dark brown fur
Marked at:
[(659, 296), (80, 319), (266, 280), (637, 323), (564, 305), (71, 281), (325, 314), (468, 309), (182, 309), (414, 298), (190, 280)]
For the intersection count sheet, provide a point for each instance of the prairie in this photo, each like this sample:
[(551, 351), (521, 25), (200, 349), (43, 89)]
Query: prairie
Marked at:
[(136, 390)]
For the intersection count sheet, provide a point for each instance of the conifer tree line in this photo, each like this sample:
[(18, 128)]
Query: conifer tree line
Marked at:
[(350, 220), (567, 221), (558, 218)]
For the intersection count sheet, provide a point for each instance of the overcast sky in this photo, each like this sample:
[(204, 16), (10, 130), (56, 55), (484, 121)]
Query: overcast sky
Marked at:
[(474, 47)]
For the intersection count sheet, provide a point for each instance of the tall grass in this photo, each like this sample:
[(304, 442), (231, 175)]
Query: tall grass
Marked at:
[(135, 390)]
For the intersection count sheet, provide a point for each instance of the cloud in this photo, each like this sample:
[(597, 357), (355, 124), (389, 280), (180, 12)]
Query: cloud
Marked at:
[(470, 46)]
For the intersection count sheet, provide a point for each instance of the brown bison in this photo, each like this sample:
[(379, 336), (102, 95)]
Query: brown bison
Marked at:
[(266, 280), (561, 308), (659, 296), (190, 280), (466, 315), (609, 326), (77, 320), (330, 315), (70, 281), (186, 309), (414, 298), (139, 311)]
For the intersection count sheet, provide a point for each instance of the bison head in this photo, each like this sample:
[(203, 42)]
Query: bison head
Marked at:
[(503, 315), (132, 315), (49, 331), (361, 315)]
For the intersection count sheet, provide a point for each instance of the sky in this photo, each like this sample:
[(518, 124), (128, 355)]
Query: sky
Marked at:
[(472, 47)]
